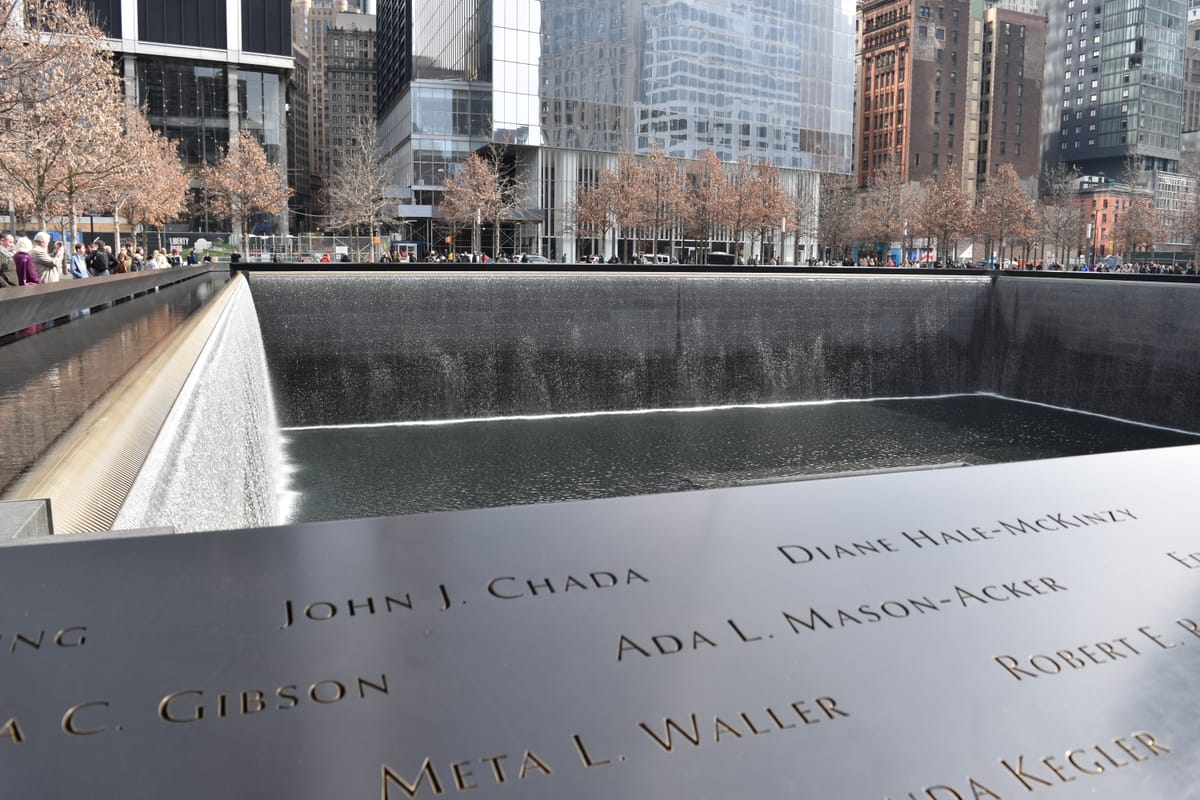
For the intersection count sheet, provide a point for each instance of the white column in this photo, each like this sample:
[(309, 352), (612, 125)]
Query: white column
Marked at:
[(129, 23), (566, 172), (233, 27), (233, 114)]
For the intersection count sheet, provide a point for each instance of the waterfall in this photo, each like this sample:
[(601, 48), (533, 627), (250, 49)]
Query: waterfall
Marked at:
[(218, 462)]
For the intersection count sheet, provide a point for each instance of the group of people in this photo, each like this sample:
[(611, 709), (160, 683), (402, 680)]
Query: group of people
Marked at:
[(25, 261)]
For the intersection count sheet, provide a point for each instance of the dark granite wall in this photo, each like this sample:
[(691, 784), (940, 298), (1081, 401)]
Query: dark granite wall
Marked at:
[(1127, 349), (375, 348), (384, 347)]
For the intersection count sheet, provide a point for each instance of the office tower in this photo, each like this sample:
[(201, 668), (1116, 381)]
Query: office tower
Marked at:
[(916, 87), (1191, 106), (203, 69), (300, 177), (1014, 44), (336, 40), (569, 85), (952, 85), (1114, 83)]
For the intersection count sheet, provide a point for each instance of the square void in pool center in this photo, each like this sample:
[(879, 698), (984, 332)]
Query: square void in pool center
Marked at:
[(365, 471)]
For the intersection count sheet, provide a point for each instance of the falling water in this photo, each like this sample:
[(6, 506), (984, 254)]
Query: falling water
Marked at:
[(218, 462)]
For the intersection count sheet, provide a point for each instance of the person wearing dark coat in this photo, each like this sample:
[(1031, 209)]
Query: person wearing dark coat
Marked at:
[(26, 271), (8, 269)]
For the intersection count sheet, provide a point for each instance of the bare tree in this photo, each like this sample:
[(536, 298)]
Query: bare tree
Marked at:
[(1132, 171), (123, 191), (1062, 217), (944, 211), (1189, 217), (473, 196), (769, 202), (64, 104), (629, 202), (1006, 212), (663, 195), (40, 40), (244, 183), (595, 210), (887, 206), (709, 199), (162, 192), (355, 192), (804, 213), (1136, 227), (742, 183), (837, 220)]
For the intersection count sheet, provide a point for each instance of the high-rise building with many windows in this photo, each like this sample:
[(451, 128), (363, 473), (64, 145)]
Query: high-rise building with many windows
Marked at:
[(335, 40), (1114, 83), (949, 85), (204, 69), (568, 85), (1014, 47), (1191, 104)]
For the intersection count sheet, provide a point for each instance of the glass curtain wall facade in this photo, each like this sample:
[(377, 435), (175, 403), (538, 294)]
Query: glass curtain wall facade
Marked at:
[(1119, 68), (569, 85), (177, 66), (188, 103), (1141, 78)]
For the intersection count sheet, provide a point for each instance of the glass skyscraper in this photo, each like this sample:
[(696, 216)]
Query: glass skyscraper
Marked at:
[(1114, 84), (568, 85)]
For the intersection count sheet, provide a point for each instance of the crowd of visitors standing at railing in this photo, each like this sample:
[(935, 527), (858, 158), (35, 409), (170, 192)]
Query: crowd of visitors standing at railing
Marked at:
[(25, 261)]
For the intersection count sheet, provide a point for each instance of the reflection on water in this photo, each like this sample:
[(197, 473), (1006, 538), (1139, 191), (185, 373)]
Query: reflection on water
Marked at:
[(360, 472), (49, 379)]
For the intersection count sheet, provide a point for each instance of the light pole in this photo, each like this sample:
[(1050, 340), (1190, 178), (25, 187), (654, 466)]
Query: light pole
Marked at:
[(1093, 235)]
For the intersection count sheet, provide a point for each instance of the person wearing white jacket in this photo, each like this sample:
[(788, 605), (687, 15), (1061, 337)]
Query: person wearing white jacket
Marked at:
[(49, 268)]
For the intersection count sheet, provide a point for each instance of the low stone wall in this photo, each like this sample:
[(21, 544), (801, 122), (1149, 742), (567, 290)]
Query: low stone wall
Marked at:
[(23, 306)]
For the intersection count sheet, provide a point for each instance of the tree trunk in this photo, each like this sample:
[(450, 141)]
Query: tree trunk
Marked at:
[(116, 229), (72, 221)]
